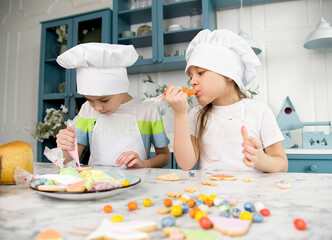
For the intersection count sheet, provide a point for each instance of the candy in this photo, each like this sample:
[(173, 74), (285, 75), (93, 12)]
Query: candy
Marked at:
[(265, 212), (300, 224), (125, 183), (193, 211), (107, 209), (257, 217), (203, 207), (168, 222), (199, 215), (117, 218), (183, 200), (224, 208), (259, 206), (217, 201), (226, 202), (191, 203), (185, 207), (176, 210), (199, 202), (191, 174), (235, 212), (249, 206), (147, 202), (205, 223), (203, 197), (246, 216), (224, 214), (212, 197), (208, 202), (132, 205), (168, 202)]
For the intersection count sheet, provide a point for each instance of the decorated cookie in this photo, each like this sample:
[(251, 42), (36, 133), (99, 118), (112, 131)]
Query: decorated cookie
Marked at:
[(222, 177), (283, 184), (118, 235), (209, 183), (169, 177), (199, 234), (52, 188), (76, 187), (142, 226), (249, 179), (177, 236), (174, 194), (49, 234), (230, 226), (191, 189)]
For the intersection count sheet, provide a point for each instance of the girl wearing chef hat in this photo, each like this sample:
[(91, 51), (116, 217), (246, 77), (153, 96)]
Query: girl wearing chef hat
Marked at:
[(227, 131), (118, 128)]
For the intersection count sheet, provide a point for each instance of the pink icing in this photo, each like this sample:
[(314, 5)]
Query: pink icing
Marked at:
[(74, 154), (230, 226)]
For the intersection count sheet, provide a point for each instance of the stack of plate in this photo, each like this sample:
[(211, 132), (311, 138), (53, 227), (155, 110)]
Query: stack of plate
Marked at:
[(175, 27)]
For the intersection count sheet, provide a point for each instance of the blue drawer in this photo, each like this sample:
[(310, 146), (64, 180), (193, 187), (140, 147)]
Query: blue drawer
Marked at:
[(310, 163)]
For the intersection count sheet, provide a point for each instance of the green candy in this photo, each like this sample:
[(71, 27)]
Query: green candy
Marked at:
[(49, 182)]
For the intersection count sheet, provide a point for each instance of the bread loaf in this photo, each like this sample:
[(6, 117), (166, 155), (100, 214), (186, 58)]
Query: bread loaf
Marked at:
[(12, 155)]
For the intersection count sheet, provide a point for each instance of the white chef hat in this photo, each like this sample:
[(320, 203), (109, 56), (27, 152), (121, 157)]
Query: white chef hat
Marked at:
[(223, 52), (100, 67)]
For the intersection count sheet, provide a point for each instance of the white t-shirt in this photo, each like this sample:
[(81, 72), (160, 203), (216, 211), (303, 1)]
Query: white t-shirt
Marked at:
[(259, 120)]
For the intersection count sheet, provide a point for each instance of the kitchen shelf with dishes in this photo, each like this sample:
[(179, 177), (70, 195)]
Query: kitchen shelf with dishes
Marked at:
[(57, 86)]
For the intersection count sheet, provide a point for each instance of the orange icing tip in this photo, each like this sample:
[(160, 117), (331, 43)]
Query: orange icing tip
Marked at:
[(49, 234)]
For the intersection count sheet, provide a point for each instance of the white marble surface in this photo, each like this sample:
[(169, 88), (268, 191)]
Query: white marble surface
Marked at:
[(24, 212)]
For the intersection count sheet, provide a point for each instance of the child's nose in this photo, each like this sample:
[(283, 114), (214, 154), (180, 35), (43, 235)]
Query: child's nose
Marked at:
[(193, 81), (98, 107)]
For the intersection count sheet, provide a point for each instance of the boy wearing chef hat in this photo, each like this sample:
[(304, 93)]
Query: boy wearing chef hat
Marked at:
[(118, 128), (227, 131)]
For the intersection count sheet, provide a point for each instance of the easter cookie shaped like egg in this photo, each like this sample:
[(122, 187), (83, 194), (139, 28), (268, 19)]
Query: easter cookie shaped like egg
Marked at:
[(118, 128)]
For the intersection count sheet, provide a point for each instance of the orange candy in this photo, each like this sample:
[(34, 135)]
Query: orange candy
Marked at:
[(107, 209), (193, 211), (132, 205), (208, 202), (168, 202), (191, 203)]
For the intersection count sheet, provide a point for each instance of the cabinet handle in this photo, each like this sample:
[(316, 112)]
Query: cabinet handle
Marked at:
[(71, 94), (155, 60), (313, 168), (159, 60)]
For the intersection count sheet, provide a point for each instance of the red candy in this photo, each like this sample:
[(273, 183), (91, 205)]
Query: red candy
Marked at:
[(300, 224), (265, 212), (205, 223)]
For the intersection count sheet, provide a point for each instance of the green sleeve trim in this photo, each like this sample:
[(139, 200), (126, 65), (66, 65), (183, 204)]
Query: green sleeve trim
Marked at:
[(86, 125), (149, 128)]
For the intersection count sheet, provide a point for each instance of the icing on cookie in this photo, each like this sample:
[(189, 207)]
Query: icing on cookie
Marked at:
[(144, 226), (199, 234), (230, 226), (283, 184)]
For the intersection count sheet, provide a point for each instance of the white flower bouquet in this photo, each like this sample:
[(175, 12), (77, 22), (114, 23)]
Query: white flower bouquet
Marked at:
[(61, 31), (53, 122)]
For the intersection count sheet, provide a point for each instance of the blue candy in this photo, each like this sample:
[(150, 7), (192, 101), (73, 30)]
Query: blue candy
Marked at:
[(168, 222), (235, 212), (191, 174), (199, 202), (257, 217), (185, 207), (226, 202), (249, 206), (224, 214)]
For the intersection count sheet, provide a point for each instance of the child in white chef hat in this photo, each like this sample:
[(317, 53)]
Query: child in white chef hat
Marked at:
[(227, 131), (118, 128)]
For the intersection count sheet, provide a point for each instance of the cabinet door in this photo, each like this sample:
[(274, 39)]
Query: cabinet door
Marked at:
[(136, 25), (54, 81), (91, 27)]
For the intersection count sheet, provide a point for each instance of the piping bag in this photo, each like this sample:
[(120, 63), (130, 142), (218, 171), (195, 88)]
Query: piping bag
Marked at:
[(161, 97), (74, 153)]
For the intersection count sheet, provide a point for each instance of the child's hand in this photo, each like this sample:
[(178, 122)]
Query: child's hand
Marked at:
[(65, 139), (252, 149), (130, 159), (177, 99)]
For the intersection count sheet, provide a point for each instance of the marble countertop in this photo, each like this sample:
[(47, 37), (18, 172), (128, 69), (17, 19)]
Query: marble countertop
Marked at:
[(24, 213)]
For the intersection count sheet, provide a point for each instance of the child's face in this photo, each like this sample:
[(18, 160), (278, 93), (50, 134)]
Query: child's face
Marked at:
[(212, 87), (106, 104)]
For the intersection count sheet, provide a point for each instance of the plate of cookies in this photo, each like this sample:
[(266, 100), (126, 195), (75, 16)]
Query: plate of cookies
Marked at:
[(89, 185)]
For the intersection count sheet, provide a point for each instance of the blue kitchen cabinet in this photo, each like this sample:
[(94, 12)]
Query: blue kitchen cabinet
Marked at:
[(57, 86), (159, 40), (310, 163)]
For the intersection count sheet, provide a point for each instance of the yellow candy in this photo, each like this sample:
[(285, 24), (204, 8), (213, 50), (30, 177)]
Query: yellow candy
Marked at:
[(246, 216), (212, 197), (125, 183), (176, 210), (203, 197), (117, 218), (147, 202), (199, 215), (183, 200)]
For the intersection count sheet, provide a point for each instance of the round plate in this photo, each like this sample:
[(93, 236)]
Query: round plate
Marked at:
[(134, 180)]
